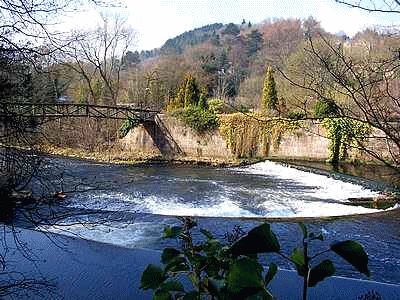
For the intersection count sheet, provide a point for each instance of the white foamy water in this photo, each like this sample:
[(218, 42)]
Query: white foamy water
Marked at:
[(324, 187), (278, 192), (224, 207), (310, 195), (133, 235)]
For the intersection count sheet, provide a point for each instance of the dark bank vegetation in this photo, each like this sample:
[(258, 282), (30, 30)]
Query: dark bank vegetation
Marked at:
[(281, 68), (276, 73)]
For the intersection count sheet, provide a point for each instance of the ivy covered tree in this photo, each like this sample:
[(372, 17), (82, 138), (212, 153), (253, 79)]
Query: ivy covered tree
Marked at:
[(269, 99)]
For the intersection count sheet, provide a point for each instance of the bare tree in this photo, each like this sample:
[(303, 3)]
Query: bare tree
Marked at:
[(364, 87), (98, 57), (27, 38), (384, 6)]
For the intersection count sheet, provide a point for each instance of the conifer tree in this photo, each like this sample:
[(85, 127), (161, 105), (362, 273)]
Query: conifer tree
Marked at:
[(269, 99), (192, 93), (179, 101), (188, 95), (203, 100)]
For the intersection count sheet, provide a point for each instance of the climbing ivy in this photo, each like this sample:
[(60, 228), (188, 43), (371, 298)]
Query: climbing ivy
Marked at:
[(344, 133), (126, 126), (244, 133)]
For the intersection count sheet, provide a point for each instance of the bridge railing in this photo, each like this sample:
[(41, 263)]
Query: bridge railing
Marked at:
[(63, 110)]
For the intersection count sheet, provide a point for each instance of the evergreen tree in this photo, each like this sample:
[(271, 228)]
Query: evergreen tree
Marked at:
[(192, 92), (179, 101), (254, 42), (189, 95), (231, 29), (269, 99), (180, 97), (203, 100)]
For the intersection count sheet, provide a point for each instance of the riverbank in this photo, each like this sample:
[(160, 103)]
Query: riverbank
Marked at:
[(74, 268), (118, 156)]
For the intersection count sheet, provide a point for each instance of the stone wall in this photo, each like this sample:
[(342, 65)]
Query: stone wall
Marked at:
[(305, 143), (170, 138)]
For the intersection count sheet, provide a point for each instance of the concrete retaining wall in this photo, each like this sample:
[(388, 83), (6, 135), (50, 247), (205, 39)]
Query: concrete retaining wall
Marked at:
[(170, 138)]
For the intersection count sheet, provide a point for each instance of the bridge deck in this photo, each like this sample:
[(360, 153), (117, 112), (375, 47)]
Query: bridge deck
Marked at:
[(68, 110)]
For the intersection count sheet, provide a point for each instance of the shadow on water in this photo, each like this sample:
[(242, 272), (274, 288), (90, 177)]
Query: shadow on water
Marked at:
[(378, 173)]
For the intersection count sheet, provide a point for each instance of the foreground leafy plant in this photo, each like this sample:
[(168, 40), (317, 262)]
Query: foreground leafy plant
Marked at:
[(233, 271)]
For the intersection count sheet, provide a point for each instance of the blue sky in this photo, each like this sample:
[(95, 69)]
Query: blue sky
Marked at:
[(157, 20)]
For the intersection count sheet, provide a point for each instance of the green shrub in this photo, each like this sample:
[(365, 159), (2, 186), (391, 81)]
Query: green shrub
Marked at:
[(243, 108), (197, 118), (296, 115), (215, 105), (326, 108)]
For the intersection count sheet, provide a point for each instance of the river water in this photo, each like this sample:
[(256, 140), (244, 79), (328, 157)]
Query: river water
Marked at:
[(147, 198)]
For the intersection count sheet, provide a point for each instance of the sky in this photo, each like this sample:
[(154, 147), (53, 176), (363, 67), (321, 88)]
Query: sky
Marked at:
[(155, 21)]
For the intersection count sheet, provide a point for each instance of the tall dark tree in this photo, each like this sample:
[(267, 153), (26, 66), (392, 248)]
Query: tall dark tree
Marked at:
[(231, 29), (130, 59), (254, 42), (192, 92)]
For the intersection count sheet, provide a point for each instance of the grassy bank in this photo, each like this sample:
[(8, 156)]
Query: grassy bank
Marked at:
[(118, 156)]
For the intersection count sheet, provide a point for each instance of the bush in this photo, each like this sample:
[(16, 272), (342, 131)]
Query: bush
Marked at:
[(197, 118), (326, 108), (215, 105), (296, 115), (243, 108)]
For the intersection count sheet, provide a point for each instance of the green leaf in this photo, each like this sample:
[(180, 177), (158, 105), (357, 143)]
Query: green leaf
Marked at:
[(169, 254), (172, 232), (245, 275), (298, 259), (215, 286), (272, 270), (152, 277), (262, 294), (177, 264), (212, 247), (191, 296), (304, 230), (172, 285), (207, 234), (260, 239), (162, 295), (320, 272), (354, 254)]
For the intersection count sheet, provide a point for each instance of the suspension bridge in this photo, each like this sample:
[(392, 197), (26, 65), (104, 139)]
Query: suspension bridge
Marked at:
[(71, 110)]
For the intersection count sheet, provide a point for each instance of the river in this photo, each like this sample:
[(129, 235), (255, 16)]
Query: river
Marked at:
[(146, 198)]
